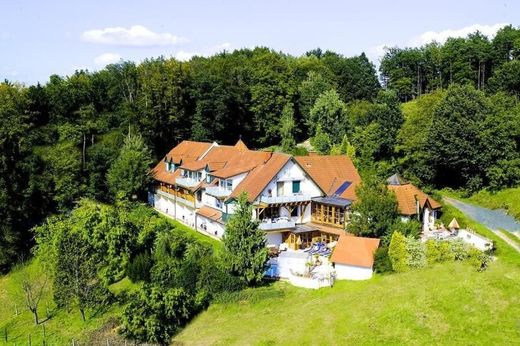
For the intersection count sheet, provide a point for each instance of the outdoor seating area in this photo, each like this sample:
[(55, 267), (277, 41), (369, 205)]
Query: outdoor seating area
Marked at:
[(454, 232), (308, 268), (320, 248)]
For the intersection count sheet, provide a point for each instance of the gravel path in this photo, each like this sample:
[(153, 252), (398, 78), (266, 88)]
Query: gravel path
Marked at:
[(495, 220)]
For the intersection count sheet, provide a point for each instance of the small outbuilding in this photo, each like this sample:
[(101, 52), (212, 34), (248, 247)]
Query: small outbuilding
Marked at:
[(353, 257)]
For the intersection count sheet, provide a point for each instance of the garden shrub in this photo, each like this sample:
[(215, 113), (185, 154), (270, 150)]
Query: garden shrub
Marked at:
[(398, 253), (478, 259), (433, 253), (459, 249), (416, 255), (382, 263), (139, 267), (155, 314), (445, 252)]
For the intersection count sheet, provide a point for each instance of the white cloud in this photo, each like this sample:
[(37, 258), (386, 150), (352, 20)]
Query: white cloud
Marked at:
[(184, 56), (107, 58), (137, 36), (377, 52), (442, 36)]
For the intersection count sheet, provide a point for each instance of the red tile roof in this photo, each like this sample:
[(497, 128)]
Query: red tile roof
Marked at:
[(356, 251), (188, 150), (408, 194), (185, 151), (329, 172), (210, 213), (258, 178)]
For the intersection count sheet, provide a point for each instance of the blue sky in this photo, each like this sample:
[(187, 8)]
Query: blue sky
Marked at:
[(39, 38)]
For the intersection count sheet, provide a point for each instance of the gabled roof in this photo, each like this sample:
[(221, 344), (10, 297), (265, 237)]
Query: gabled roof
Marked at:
[(185, 152), (160, 173), (408, 194), (210, 213), (188, 150), (241, 146), (356, 251), (259, 177), (331, 173)]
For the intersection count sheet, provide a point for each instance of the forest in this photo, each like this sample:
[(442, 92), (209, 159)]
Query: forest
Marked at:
[(444, 115)]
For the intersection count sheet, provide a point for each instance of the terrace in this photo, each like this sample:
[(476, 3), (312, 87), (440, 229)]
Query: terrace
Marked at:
[(187, 182), (297, 197), (277, 223), (217, 191)]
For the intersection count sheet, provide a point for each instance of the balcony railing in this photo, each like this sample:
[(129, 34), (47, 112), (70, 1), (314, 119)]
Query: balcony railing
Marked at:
[(269, 226), (285, 199), (187, 182), (217, 191)]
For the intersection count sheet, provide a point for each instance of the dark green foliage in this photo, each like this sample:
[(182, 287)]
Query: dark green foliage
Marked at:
[(471, 60), (155, 314), (59, 140), (321, 141), (15, 146), (139, 267), (75, 272), (410, 228), (287, 128), (382, 263), (244, 244), (128, 177), (375, 212)]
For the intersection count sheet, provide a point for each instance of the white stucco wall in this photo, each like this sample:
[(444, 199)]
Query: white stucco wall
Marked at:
[(475, 240), (273, 238), (181, 212), (290, 172), (212, 227), (349, 272)]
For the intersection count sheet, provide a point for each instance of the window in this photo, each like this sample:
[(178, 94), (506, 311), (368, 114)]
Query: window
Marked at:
[(296, 186), (199, 176), (226, 184), (218, 203), (208, 178), (279, 188), (295, 212)]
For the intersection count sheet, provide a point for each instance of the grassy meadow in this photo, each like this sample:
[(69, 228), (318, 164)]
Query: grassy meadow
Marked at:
[(446, 304), (62, 326)]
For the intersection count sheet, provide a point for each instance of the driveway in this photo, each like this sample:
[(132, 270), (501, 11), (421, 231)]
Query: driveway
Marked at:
[(495, 220)]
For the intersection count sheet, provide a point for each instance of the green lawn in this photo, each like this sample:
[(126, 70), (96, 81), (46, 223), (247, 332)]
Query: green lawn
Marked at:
[(215, 244), (63, 325), (446, 304)]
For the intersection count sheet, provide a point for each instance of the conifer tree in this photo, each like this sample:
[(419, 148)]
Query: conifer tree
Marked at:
[(244, 244)]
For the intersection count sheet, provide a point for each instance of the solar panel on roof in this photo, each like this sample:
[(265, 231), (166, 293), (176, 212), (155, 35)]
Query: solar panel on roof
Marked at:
[(342, 188)]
